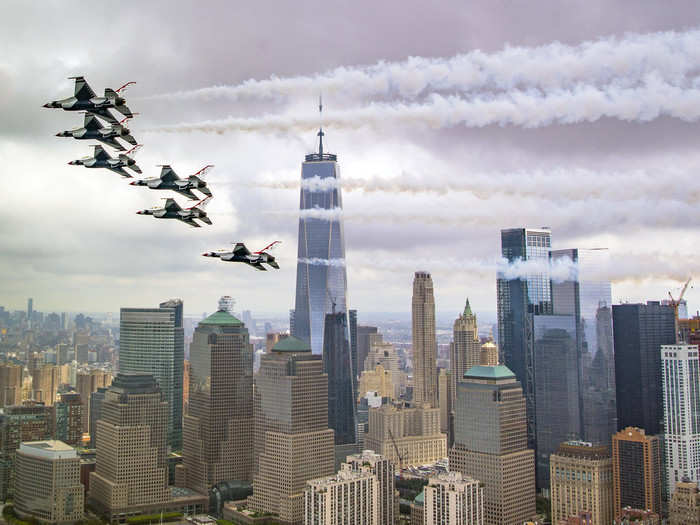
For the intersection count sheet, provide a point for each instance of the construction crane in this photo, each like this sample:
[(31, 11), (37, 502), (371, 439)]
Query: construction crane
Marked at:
[(398, 454), (675, 303)]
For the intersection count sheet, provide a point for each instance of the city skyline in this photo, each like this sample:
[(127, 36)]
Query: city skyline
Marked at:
[(418, 181)]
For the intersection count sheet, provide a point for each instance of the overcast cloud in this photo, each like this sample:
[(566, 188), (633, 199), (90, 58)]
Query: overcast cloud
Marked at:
[(451, 121)]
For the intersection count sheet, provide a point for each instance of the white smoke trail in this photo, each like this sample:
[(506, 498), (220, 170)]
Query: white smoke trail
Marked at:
[(558, 270), (672, 55), (529, 109), (316, 261), (316, 183), (320, 213)]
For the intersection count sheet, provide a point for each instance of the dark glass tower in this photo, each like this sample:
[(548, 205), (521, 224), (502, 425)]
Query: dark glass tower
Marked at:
[(321, 276), (640, 330)]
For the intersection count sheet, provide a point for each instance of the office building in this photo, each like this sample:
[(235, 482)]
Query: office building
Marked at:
[(424, 341), (131, 475), (629, 516), (582, 482), (218, 426), (640, 330), (680, 373), (88, 382), (465, 349), (68, 412), (407, 436), (377, 380), (293, 443), (363, 345), (637, 471), (346, 498), (454, 499), (445, 400), (30, 421), (48, 487), (321, 276), (352, 325), (684, 507), (152, 342), (10, 384), (490, 443), (337, 365), (45, 381), (418, 509), (384, 470), (96, 399), (489, 354)]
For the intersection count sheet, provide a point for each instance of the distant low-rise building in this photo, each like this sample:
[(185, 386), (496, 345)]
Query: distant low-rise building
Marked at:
[(684, 507), (629, 516)]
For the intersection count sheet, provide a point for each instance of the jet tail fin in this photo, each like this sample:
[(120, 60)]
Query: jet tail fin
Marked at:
[(130, 139)]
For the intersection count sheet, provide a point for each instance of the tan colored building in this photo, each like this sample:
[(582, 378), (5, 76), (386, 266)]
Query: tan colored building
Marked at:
[(465, 349), (684, 507), (47, 485), (271, 340), (489, 354), (387, 495), (377, 380), (10, 384), (349, 497), (87, 383), (628, 516), (424, 341), (45, 381), (293, 443), (131, 476), (384, 354), (637, 470), (454, 499), (445, 400), (218, 425), (407, 436), (581, 481), (490, 443)]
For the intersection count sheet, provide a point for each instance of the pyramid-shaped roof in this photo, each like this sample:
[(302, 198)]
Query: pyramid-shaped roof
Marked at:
[(221, 317), (489, 372)]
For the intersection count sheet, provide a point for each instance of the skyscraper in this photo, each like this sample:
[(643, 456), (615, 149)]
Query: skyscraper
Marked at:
[(321, 276), (352, 320), (454, 499), (680, 371), (68, 412), (363, 346), (10, 384), (490, 443), (152, 342), (637, 470), (293, 443), (519, 298), (337, 364), (465, 350), (346, 498), (640, 330), (424, 341), (218, 426), (384, 471)]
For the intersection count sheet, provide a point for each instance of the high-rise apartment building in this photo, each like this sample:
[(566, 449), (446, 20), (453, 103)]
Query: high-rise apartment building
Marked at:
[(684, 507), (45, 381), (637, 470), (152, 342), (363, 345), (321, 275), (465, 349), (454, 499), (86, 383), (640, 330), (407, 436), (582, 481), (445, 400), (48, 487), (218, 426), (68, 411), (10, 384), (384, 470), (293, 443), (346, 498), (337, 365), (424, 341), (30, 421), (131, 476), (489, 354), (490, 443), (680, 373), (96, 399)]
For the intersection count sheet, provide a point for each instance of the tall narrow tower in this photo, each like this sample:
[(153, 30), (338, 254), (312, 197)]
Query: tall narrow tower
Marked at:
[(424, 342), (321, 276)]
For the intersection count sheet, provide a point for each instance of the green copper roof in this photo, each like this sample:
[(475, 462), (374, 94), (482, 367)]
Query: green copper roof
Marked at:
[(291, 344), (489, 372), (220, 317), (467, 309), (420, 498)]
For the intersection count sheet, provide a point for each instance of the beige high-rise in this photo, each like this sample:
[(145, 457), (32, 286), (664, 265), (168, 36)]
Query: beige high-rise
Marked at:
[(424, 341), (465, 350), (87, 383), (293, 443), (377, 380), (453, 499), (10, 384), (383, 469), (581, 480), (384, 354), (490, 443), (489, 354), (346, 498), (131, 476), (684, 507), (445, 399), (45, 381), (407, 436), (47, 484), (218, 425)]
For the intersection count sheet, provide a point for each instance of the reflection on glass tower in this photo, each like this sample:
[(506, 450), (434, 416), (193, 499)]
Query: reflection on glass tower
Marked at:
[(321, 277)]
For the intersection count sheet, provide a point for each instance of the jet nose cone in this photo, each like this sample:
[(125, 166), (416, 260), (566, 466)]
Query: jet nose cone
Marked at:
[(47, 105), (132, 183), (139, 213), (72, 163)]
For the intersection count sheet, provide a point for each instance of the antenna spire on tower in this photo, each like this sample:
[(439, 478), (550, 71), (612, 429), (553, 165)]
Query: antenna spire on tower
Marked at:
[(320, 129)]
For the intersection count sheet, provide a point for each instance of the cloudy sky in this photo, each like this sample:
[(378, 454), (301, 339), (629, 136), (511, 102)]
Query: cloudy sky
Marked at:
[(451, 120)]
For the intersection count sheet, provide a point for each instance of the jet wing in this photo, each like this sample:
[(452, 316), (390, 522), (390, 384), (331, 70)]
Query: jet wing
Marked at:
[(105, 114), (258, 266), (240, 249), (100, 154), (83, 91), (112, 142), (172, 205), (120, 171), (186, 193), (91, 122), (188, 220)]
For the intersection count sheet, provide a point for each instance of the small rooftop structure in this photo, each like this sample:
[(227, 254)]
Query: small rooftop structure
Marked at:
[(489, 372), (49, 449), (291, 344)]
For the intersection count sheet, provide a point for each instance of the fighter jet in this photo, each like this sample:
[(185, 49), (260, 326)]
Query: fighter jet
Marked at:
[(169, 180), (101, 159), (93, 129), (85, 99), (241, 254), (172, 210)]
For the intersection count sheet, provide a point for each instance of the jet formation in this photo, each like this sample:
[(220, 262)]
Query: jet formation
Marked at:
[(100, 124), (241, 254)]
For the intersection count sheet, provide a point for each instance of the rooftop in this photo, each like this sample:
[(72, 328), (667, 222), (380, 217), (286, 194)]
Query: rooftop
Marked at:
[(49, 449), (291, 344), (219, 318), (489, 372)]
